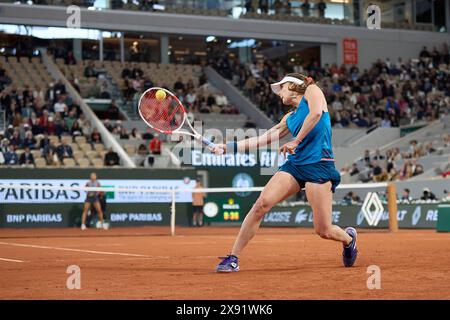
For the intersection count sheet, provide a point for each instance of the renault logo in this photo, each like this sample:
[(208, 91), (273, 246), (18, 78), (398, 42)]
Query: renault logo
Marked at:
[(372, 216)]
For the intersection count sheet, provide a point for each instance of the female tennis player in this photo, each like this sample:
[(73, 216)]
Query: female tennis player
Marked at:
[(309, 165), (92, 199)]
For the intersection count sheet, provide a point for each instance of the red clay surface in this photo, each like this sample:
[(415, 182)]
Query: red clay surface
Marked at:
[(280, 263)]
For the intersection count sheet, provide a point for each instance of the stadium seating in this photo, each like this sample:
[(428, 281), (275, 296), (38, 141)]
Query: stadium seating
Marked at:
[(355, 98), (424, 155), (163, 75), (31, 74)]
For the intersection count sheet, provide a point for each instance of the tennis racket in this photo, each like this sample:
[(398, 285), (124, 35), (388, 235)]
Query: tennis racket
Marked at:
[(162, 111)]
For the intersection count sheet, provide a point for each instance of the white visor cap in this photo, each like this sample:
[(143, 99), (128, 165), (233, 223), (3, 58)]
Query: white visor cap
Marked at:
[(276, 87)]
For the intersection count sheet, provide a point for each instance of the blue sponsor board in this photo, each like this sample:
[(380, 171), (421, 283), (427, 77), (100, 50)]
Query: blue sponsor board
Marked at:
[(410, 216)]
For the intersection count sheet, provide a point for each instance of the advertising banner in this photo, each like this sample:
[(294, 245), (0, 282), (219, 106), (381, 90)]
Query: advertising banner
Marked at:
[(69, 215), (262, 158), (410, 216), (350, 47), (29, 196)]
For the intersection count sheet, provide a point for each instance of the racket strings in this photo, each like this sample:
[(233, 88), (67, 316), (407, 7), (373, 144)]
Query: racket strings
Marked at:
[(163, 114)]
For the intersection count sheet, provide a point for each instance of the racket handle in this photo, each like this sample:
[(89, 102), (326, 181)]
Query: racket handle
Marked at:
[(210, 145)]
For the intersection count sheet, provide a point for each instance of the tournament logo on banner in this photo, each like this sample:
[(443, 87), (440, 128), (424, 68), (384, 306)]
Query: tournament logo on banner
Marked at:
[(242, 180)]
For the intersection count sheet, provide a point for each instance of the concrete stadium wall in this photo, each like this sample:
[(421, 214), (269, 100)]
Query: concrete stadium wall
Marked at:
[(377, 138), (345, 156), (342, 136)]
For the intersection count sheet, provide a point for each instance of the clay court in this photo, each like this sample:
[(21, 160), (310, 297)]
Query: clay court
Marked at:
[(280, 263)]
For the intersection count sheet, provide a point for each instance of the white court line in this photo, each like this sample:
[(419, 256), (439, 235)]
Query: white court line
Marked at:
[(10, 260), (75, 250)]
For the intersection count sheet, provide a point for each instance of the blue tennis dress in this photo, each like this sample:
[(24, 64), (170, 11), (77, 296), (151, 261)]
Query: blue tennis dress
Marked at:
[(313, 159)]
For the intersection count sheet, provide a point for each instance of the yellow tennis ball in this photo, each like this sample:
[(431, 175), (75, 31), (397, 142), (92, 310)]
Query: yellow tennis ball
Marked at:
[(160, 95)]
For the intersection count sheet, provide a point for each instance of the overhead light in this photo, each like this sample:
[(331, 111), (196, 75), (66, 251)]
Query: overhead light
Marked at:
[(229, 41), (243, 43), (159, 7), (210, 39)]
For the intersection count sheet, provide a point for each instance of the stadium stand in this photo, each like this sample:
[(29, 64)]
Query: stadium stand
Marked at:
[(423, 154), (387, 95), (42, 116), (69, 93), (127, 81)]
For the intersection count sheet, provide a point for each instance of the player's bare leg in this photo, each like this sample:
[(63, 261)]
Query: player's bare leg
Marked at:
[(281, 186), (99, 211), (83, 216), (320, 199)]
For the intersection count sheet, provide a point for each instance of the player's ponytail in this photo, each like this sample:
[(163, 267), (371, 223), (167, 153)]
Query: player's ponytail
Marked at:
[(300, 88)]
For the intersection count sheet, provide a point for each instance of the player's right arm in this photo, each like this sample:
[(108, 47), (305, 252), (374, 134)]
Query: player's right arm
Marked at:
[(275, 133)]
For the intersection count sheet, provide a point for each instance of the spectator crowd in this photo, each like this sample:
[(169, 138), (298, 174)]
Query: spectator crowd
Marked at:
[(41, 123), (396, 164), (389, 94)]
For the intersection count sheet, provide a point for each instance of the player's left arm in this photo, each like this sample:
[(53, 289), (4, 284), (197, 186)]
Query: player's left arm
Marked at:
[(314, 96)]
